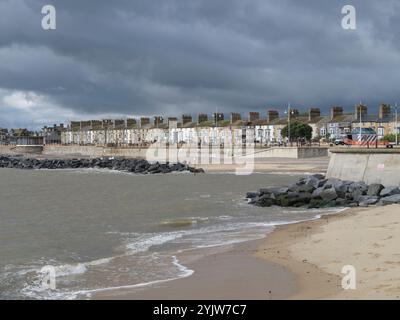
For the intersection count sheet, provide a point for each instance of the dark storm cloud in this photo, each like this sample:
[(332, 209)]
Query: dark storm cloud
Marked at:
[(173, 57)]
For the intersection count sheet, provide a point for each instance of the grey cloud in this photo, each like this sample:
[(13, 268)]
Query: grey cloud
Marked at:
[(178, 56)]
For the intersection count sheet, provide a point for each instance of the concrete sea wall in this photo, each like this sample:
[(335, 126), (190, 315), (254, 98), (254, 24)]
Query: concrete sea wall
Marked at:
[(293, 152), (368, 165), (93, 151)]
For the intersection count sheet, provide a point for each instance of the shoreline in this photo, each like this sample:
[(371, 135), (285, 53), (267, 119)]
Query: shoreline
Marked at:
[(235, 271), (301, 260), (222, 273)]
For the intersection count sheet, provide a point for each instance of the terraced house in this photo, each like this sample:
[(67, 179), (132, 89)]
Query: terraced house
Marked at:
[(217, 130)]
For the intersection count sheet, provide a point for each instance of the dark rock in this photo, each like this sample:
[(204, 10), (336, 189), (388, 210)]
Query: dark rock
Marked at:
[(251, 195), (293, 187), (359, 186), (391, 199), (374, 189), (306, 188), (341, 188), (316, 203), (130, 165), (330, 183), (318, 176), (273, 190), (317, 193), (328, 194), (357, 195), (367, 201), (293, 199), (319, 183), (264, 201), (389, 191)]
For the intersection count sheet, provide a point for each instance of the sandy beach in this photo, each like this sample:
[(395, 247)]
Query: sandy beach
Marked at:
[(316, 251), (297, 261)]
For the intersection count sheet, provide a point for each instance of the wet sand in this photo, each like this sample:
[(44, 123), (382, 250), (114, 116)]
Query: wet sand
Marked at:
[(297, 261), (236, 273)]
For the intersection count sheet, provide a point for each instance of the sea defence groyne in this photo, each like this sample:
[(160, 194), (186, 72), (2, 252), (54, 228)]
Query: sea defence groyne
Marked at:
[(363, 164)]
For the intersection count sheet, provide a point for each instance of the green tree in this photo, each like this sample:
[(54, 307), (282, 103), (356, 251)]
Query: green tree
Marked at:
[(297, 131), (391, 137)]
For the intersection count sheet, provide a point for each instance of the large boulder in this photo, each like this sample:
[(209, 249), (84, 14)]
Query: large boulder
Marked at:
[(330, 183), (389, 191), (273, 190), (341, 188), (318, 176), (293, 199), (340, 202), (357, 195), (306, 188), (251, 195), (374, 189), (366, 201), (358, 186), (328, 194), (264, 201), (391, 199), (316, 203), (317, 193), (315, 181)]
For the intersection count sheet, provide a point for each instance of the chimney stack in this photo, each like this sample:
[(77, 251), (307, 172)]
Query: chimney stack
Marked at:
[(384, 111), (253, 116), (130, 122), (235, 117), (119, 123), (144, 121), (202, 117), (360, 110), (313, 113), (158, 120), (172, 122), (218, 116), (272, 115), (336, 111), (96, 124), (186, 118), (107, 123)]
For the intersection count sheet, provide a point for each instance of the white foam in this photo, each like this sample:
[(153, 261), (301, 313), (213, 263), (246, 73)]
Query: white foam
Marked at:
[(210, 236), (146, 241), (184, 272)]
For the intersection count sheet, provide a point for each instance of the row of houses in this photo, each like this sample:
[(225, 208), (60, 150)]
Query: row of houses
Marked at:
[(47, 135), (218, 130)]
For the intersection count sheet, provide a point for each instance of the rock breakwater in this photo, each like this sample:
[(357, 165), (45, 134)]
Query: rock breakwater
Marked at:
[(315, 191), (120, 164)]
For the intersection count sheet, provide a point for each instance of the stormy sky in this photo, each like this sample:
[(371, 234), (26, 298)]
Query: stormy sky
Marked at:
[(148, 57)]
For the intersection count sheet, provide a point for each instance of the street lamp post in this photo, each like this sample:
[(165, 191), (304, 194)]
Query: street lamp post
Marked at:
[(360, 129), (289, 112), (396, 124)]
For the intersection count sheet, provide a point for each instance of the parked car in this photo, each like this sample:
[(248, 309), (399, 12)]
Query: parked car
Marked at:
[(339, 142)]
